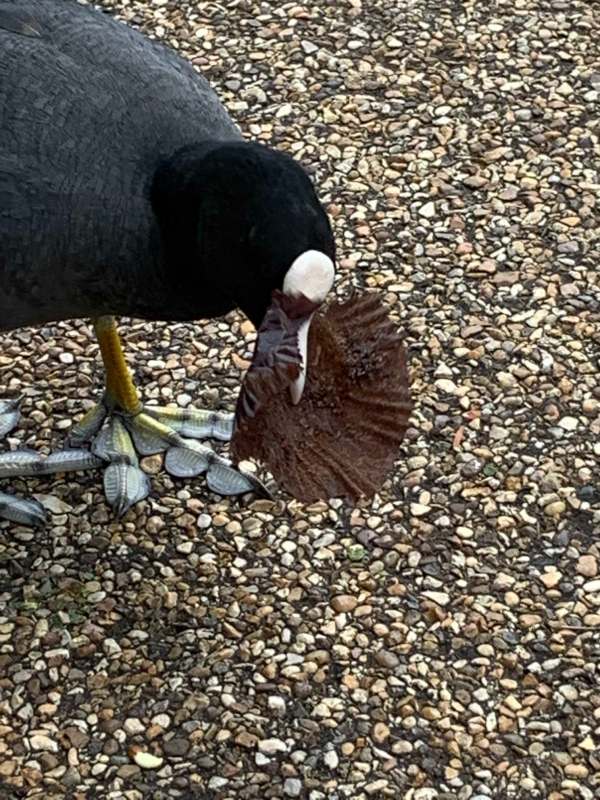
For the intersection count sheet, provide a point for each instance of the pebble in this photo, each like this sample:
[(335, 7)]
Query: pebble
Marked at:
[(387, 659), (133, 726), (555, 509), (551, 579), (569, 692), (587, 565), (427, 210), (272, 746), (147, 760), (441, 598), (380, 733), (569, 423), (42, 742), (177, 746), (344, 603), (511, 599), (446, 385), (292, 787), (419, 509), (277, 703), (374, 787), (111, 647), (592, 586)]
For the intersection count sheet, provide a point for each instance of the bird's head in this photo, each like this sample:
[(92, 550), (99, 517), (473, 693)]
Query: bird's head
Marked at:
[(266, 230)]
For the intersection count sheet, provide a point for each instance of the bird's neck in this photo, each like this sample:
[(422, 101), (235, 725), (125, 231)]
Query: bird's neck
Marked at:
[(192, 291)]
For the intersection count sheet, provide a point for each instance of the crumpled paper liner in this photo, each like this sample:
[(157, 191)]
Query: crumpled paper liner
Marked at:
[(342, 439)]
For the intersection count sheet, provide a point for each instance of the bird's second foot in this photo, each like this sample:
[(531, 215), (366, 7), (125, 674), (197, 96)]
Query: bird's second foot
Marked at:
[(23, 463)]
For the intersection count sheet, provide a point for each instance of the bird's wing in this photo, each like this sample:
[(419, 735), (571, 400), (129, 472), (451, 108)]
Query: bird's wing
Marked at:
[(15, 20), (88, 109)]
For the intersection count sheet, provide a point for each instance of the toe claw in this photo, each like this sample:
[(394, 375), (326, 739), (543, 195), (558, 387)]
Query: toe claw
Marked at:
[(124, 486), (22, 512), (223, 478)]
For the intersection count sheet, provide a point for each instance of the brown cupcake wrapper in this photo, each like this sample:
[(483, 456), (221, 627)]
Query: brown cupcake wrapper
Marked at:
[(342, 439)]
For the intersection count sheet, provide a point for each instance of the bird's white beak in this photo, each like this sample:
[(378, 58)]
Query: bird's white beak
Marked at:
[(297, 387), (310, 276)]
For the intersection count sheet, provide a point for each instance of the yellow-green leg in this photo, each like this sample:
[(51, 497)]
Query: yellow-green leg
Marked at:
[(120, 389)]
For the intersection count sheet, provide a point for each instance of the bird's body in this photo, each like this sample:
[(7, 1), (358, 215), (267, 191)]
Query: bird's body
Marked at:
[(127, 190), (89, 108)]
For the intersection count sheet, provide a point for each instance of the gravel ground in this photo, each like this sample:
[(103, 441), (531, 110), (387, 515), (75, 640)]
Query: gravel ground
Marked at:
[(441, 641)]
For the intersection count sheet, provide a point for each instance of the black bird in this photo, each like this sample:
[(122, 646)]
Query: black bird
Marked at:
[(126, 189)]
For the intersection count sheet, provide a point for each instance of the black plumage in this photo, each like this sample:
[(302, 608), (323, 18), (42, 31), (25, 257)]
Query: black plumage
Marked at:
[(125, 188)]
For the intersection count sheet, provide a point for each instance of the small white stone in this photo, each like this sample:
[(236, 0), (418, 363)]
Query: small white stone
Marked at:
[(41, 742), (292, 787), (565, 89), (331, 759), (446, 385), (427, 210), (569, 423), (325, 540), (271, 746), (322, 710), (133, 726), (592, 586), (569, 692), (147, 760), (443, 371), (308, 47), (216, 782), (506, 380), (110, 647), (276, 703), (417, 462), (441, 598)]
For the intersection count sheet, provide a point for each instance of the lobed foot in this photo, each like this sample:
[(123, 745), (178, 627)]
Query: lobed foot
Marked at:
[(118, 437), (22, 463)]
